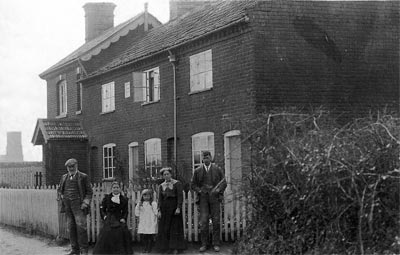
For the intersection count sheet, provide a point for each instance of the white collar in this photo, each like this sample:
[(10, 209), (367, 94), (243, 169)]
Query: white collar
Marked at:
[(115, 198), (169, 184)]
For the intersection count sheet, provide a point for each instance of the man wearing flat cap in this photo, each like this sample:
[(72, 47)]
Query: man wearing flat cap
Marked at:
[(76, 192), (209, 182)]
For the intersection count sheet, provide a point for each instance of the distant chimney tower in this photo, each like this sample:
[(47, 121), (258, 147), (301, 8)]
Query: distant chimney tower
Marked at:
[(14, 147), (98, 18)]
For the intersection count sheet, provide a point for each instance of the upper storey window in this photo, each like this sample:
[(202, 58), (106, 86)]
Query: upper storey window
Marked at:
[(62, 98), (201, 71), (146, 86), (107, 97)]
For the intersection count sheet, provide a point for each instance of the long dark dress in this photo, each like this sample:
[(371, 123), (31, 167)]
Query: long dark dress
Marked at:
[(170, 228), (114, 237)]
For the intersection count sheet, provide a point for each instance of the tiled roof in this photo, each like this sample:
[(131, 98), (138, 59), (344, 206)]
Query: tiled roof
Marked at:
[(58, 129), (190, 26), (103, 41)]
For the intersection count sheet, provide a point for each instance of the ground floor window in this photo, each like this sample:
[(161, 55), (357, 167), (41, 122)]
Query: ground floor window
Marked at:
[(108, 160), (203, 141), (152, 152)]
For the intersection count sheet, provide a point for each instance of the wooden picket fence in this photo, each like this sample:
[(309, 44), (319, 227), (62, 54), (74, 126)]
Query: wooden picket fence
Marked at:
[(30, 208), (38, 209)]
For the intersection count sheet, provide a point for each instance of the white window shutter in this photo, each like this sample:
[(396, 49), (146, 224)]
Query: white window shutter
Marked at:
[(138, 87), (146, 92), (156, 84), (112, 98), (202, 63), (103, 96)]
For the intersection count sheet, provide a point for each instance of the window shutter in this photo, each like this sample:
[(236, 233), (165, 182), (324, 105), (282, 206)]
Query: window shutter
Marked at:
[(138, 87), (157, 84), (112, 98), (146, 90)]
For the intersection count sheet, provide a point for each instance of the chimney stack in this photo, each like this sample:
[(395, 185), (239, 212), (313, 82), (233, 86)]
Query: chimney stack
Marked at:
[(98, 18), (14, 147), (178, 8)]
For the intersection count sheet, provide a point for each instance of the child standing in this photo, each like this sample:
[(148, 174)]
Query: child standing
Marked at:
[(147, 212)]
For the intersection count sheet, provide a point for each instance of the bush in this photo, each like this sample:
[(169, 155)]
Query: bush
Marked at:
[(318, 187)]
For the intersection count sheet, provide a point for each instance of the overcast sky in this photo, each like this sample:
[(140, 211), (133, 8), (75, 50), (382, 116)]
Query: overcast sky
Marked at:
[(35, 35)]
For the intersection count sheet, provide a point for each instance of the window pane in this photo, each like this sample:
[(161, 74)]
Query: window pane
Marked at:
[(197, 157), (211, 142)]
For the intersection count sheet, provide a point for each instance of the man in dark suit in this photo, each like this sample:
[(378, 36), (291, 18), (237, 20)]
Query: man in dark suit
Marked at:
[(209, 182), (76, 192)]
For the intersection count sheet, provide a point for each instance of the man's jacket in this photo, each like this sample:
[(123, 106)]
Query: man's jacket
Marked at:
[(216, 177), (85, 189)]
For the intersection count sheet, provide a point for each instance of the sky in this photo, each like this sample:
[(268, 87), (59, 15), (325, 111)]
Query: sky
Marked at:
[(34, 36)]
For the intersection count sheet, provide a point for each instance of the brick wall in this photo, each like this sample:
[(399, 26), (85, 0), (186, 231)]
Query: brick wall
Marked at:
[(340, 54), (69, 73), (362, 73), (56, 153), (218, 110)]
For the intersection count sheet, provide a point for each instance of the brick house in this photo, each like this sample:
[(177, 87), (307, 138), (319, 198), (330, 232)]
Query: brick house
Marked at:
[(191, 84), (62, 135)]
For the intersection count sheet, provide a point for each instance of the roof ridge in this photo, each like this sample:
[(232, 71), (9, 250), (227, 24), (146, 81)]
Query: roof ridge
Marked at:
[(174, 29)]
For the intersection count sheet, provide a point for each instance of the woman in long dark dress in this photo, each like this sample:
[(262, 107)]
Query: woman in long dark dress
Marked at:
[(114, 237), (170, 227)]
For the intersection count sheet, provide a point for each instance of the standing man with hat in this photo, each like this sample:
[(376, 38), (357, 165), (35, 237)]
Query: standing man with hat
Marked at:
[(209, 182), (76, 192)]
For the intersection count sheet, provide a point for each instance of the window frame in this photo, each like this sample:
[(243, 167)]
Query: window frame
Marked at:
[(199, 149), (110, 161), (149, 169), (201, 71), (108, 87), (133, 161), (79, 95), (152, 91), (62, 98), (127, 89)]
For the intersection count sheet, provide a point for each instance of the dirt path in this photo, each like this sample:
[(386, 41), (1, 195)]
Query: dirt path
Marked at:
[(13, 242)]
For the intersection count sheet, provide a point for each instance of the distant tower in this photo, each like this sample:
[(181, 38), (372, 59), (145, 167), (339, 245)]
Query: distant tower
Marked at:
[(14, 147)]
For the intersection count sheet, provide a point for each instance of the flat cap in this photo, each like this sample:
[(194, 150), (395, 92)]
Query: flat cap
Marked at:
[(71, 162)]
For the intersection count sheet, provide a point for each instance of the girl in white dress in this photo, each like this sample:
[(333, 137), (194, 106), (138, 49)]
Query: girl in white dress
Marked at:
[(147, 212)]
